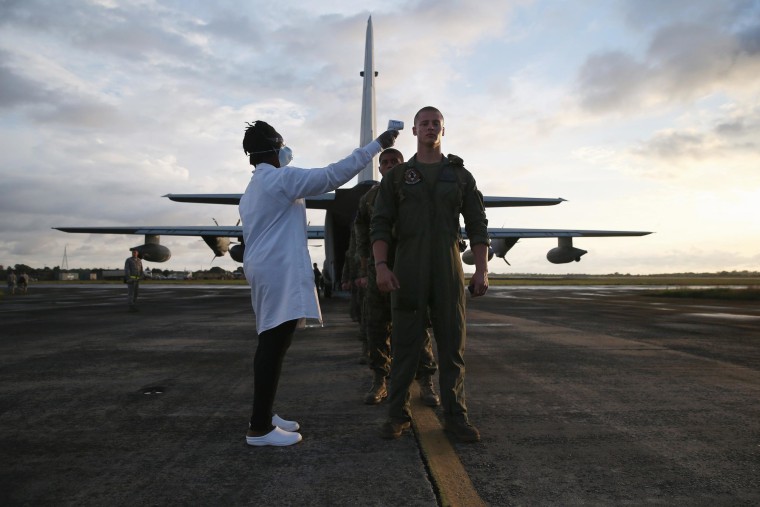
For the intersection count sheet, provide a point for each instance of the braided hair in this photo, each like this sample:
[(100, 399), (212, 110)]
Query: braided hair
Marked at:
[(260, 140)]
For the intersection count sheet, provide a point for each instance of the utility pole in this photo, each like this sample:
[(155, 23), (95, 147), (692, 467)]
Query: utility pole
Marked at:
[(65, 261)]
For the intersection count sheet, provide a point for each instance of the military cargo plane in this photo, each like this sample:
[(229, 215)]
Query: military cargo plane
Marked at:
[(340, 208)]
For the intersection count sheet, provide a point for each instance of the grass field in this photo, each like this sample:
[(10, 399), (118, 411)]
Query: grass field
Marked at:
[(658, 280)]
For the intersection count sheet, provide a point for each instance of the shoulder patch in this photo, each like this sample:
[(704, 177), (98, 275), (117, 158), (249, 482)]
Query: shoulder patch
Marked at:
[(412, 176)]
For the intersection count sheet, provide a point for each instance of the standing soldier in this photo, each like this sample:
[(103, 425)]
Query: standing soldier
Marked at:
[(420, 201), (11, 282), (133, 272), (23, 282), (348, 282), (377, 308)]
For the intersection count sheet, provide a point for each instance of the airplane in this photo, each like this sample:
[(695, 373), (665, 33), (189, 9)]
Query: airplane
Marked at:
[(340, 209)]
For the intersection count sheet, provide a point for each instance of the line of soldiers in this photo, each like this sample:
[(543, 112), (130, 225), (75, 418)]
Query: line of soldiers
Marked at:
[(372, 308)]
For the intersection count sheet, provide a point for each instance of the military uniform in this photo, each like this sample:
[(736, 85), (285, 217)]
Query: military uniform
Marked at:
[(377, 308), (133, 272), (421, 203), (351, 267)]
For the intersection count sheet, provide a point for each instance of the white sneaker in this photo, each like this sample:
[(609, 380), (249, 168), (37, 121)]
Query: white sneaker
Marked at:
[(285, 425), (277, 437)]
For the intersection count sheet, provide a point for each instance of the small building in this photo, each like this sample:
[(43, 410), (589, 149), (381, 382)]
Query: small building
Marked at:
[(113, 274)]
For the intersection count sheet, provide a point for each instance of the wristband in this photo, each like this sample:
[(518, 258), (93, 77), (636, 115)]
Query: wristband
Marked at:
[(380, 262)]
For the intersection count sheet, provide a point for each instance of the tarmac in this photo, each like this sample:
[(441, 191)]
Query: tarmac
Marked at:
[(583, 396)]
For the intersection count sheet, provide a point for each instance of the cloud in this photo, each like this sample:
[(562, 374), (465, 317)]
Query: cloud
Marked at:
[(17, 90), (687, 56), (728, 138)]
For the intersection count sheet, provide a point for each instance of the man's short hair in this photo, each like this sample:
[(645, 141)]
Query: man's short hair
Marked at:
[(260, 139), (392, 151), (428, 109)]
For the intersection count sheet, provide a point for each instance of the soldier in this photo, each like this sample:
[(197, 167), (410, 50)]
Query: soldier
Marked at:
[(23, 282), (421, 201), (11, 282), (348, 282), (377, 307), (133, 272)]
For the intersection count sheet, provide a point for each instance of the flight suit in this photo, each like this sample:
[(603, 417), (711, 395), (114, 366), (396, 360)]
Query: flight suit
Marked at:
[(377, 307), (351, 267), (422, 204), (133, 272)]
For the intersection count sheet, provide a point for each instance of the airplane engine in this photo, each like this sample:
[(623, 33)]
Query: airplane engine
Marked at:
[(499, 247), (565, 252), (237, 252), (153, 252), (220, 245), (469, 258)]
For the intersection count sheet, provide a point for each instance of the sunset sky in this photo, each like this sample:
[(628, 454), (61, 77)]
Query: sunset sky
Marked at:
[(643, 114)]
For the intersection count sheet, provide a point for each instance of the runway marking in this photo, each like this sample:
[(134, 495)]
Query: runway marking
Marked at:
[(450, 480), (731, 316)]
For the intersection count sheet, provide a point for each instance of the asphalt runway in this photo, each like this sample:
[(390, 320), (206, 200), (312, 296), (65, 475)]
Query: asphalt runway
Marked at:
[(583, 396)]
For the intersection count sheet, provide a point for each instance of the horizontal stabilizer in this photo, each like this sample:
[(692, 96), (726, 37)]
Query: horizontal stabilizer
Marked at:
[(557, 233), (315, 202), (511, 202)]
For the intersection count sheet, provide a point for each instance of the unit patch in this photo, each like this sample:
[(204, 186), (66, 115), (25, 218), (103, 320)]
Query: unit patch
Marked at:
[(412, 176)]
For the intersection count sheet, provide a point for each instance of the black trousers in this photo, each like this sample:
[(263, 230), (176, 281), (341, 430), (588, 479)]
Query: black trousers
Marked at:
[(267, 365)]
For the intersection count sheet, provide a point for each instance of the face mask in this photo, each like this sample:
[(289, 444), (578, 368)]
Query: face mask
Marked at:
[(285, 156)]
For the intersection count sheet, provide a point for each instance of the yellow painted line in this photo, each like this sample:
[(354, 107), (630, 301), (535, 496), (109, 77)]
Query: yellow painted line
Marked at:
[(449, 477)]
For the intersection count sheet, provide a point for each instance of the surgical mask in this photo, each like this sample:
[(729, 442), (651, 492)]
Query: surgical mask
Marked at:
[(285, 156)]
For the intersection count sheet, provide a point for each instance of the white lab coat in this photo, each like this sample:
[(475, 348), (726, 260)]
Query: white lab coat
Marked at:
[(276, 261)]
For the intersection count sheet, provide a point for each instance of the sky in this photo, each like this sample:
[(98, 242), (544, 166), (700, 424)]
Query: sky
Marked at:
[(643, 114)]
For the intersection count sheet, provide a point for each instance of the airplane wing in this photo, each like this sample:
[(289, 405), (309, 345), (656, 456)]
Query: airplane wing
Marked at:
[(503, 239), (315, 202), (322, 201), (221, 231), (556, 233), (491, 201)]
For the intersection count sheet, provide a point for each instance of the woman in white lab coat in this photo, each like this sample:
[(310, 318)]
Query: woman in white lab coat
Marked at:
[(277, 263)]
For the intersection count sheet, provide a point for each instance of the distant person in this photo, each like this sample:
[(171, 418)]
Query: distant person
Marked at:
[(418, 208), (327, 281), (317, 276), (377, 307), (23, 282), (11, 282), (133, 272), (276, 261)]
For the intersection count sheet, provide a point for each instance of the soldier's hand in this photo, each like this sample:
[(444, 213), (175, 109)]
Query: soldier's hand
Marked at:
[(387, 138), (386, 280), (361, 282), (479, 284)]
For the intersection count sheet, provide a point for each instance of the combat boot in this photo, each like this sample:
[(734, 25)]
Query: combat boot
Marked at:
[(461, 430), (378, 392), (427, 391)]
